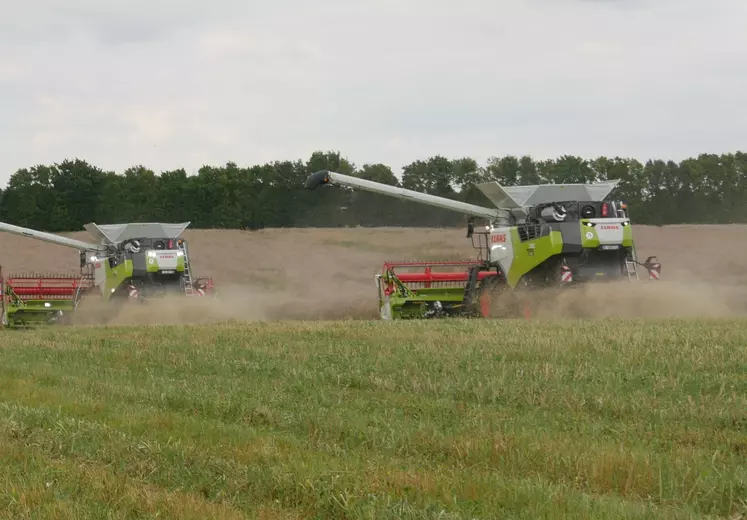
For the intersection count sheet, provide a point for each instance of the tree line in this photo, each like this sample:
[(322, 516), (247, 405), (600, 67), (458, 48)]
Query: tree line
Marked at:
[(62, 197)]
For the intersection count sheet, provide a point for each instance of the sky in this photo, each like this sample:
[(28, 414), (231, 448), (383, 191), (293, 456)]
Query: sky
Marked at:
[(179, 84)]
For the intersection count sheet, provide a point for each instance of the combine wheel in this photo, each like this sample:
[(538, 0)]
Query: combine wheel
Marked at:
[(498, 301), (93, 310), (111, 310), (63, 318)]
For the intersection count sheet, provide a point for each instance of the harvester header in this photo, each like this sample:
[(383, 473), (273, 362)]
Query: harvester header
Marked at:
[(541, 235)]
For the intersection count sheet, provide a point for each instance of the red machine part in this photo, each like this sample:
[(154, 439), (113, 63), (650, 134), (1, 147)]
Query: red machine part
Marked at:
[(47, 287), (203, 286), (654, 268), (428, 276)]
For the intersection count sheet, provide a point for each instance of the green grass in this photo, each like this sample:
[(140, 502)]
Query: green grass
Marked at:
[(478, 419)]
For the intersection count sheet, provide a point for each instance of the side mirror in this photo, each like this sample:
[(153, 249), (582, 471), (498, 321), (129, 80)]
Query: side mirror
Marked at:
[(82, 258), (470, 228)]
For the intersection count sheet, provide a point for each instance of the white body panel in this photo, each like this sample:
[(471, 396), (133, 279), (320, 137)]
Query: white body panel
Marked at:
[(609, 230), (501, 248), (166, 259), (99, 271)]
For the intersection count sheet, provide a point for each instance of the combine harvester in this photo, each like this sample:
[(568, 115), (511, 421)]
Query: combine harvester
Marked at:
[(130, 262), (536, 237)]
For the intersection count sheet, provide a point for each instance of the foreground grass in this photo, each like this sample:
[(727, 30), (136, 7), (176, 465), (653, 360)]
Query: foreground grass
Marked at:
[(374, 420)]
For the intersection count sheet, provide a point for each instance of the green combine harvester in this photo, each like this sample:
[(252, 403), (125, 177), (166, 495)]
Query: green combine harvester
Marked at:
[(536, 237), (129, 262)]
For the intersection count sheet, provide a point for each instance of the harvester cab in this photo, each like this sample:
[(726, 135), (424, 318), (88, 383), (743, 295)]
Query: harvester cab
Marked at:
[(134, 261), (536, 236)]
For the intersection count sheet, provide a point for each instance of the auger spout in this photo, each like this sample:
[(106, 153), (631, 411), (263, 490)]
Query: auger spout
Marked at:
[(50, 237), (333, 178)]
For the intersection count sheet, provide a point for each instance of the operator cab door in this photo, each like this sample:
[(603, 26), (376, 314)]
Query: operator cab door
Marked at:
[(139, 258)]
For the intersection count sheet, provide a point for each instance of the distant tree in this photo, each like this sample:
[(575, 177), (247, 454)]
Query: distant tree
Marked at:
[(708, 188)]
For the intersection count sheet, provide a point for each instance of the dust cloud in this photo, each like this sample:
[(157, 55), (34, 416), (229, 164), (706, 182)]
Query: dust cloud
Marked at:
[(644, 300), (282, 274)]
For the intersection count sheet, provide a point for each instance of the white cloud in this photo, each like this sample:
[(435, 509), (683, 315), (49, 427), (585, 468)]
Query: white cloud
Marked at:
[(180, 84)]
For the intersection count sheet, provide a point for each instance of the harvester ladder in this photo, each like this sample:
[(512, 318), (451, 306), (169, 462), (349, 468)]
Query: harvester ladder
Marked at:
[(188, 289), (631, 266), (79, 292)]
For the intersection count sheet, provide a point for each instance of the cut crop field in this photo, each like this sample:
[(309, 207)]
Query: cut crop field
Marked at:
[(329, 273), (360, 419)]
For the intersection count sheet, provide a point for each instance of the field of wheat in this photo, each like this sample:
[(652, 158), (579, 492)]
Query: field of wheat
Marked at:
[(286, 400)]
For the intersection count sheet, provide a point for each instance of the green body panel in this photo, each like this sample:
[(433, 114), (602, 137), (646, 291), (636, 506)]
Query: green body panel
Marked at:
[(627, 236), (413, 306), (531, 253), (36, 311), (588, 242), (115, 276)]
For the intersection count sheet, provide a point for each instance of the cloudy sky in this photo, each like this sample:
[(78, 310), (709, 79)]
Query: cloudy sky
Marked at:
[(172, 84)]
